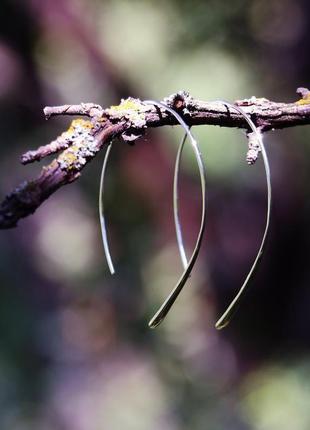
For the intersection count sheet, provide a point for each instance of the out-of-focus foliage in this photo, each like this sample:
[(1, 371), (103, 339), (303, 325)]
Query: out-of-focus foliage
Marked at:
[(75, 350)]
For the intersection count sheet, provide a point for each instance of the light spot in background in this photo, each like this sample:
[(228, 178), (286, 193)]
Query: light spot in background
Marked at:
[(124, 391), (160, 276), (138, 390), (142, 47), (67, 239), (207, 73), (277, 22), (141, 40), (67, 70), (189, 327), (223, 150), (277, 398)]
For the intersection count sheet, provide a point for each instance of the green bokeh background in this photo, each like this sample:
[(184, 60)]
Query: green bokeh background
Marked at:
[(75, 349)]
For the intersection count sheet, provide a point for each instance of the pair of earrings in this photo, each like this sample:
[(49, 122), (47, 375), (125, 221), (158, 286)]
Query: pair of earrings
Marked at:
[(189, 264)]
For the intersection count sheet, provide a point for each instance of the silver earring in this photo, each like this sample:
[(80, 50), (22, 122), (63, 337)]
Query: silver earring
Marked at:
[(227, 315), (101, 211), (177, 223), (166, 306)]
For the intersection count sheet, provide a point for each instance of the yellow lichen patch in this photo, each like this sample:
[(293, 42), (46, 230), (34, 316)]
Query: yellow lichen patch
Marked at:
[(79, 123), (132, 110), (82, 123), (74, 148), (68, 158), (76, 155), (304, 101), (129, 104)]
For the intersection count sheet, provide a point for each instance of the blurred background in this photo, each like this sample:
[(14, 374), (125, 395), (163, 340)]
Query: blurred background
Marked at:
[(75, 349)]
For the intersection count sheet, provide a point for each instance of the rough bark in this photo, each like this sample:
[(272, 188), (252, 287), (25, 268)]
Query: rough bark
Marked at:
[(129, 121)]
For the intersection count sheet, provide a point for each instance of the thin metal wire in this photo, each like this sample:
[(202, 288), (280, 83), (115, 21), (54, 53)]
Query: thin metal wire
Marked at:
[(177, 223), (227, 315), (166, 306), (101, 212), (229, 312), (164, 309)]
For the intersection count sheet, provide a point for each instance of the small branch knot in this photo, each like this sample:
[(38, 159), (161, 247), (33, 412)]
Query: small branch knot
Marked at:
[(253, 148), (303, 92), (179, 101)]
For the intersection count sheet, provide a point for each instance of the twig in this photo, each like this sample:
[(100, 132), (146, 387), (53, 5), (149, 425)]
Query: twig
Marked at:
[(43, 151), (28, 196), (87, 109), (129, 121)]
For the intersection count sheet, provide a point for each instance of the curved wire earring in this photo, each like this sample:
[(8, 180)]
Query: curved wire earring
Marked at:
[(227, 315), (229, 312), (101, 212), (177, 223), (166, 306)]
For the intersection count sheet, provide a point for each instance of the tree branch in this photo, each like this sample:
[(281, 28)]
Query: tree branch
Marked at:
[(129, 121), (88, 109)]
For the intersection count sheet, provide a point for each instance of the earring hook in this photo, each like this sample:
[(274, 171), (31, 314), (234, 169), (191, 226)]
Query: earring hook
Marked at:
[(166, 306), (227, 315)]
